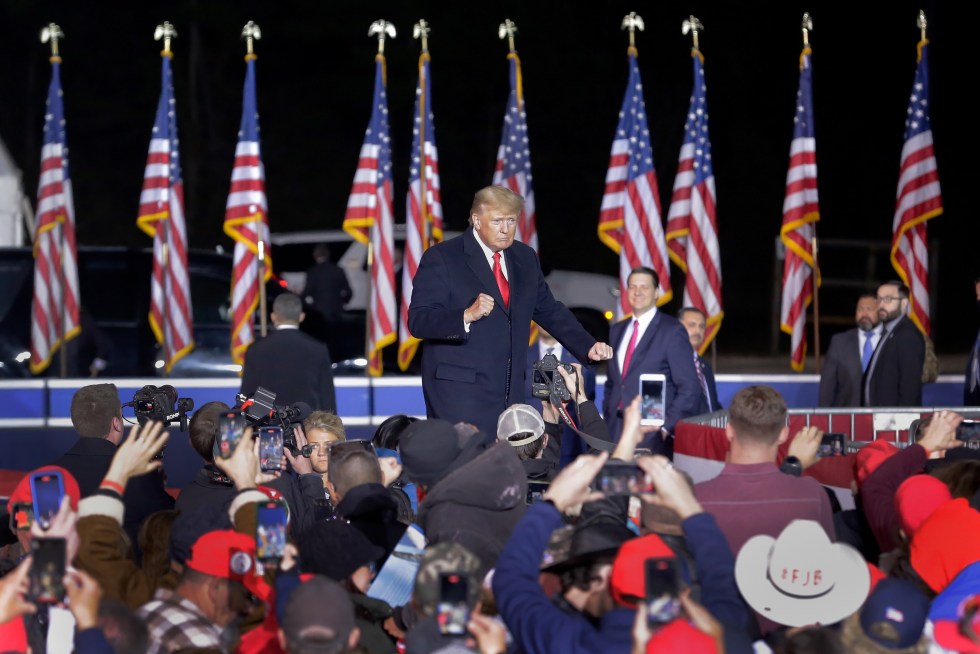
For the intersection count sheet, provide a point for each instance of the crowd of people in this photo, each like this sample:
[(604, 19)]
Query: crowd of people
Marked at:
[(482, 528)]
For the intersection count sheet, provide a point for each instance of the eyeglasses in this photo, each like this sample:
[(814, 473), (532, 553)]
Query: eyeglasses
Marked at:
[(887, 299)]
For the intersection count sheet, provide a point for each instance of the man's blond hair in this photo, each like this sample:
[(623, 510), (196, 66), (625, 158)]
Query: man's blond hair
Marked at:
[(496, 197)]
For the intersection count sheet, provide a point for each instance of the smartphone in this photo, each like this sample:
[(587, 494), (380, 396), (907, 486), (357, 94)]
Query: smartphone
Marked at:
[(270, 449), (47, 489), (831, 445), (45, 579), (968, 430), (270, 530), (535, 489), (453, 611), (622, 478), (653, 399), (662, 590), (231, 426)]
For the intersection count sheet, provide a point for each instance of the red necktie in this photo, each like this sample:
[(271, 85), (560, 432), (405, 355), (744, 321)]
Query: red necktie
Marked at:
[(630, 347), (502, 284)]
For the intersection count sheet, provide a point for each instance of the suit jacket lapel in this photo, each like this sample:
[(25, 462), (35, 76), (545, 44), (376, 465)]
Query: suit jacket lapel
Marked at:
[(644, 344), (477, 261)]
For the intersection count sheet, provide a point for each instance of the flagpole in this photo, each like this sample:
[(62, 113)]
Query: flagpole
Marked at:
[(807, 27), (421, 31), (252, 33), (166, 32), (53, 32)]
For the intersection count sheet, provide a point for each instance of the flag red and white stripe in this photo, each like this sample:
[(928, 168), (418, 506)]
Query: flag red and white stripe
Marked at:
[(370, 220), (423, 220), (692, 228), (919, 197), (801, 211), (161, 216), (630, 221), (247, 222), (55, 306)]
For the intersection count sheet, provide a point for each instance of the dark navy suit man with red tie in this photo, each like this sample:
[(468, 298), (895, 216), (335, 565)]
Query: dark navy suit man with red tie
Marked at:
[(650, 342), (473, 300)]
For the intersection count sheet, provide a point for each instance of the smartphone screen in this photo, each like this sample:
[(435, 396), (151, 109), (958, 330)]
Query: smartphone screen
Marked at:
[(270, 449), (47, 489), (270, 531), (653, 399), (662, 587), (535, 489), (832, 444), (968, 430), (453, 610), (45, 579), (231, 426), (622, 478)]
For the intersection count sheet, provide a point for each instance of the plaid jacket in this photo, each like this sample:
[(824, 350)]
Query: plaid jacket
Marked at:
[(175, 623)]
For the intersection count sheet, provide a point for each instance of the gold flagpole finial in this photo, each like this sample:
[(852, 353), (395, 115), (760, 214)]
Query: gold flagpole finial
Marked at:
[(632, 22), (807, 27), (166, 31), (421, 31), (383, 29), (920, 22), (251, 32), (52, 32), (694, 26), (507, 30)]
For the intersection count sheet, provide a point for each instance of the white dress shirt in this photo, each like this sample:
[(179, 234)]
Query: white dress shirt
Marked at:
[(644, 322)]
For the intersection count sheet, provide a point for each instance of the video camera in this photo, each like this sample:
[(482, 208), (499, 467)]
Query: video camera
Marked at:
[(260, 410), (546, 382), (161, 403)]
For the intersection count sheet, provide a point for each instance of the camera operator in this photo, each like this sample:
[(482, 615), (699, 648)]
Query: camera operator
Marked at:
[(96, 415), (300, 488)]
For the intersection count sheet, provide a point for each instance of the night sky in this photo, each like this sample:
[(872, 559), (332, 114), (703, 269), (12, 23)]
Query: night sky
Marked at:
[(315, 75)]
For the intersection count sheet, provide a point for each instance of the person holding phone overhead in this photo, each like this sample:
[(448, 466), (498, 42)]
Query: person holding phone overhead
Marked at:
[(650, 342), (473, 301)]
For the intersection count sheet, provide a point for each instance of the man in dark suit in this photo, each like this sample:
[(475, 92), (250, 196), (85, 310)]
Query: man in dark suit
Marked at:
[(650, 342), (894, 376), (96, 414), (849, 355), (571, 443), (327, 288), (696, 324), (293, 365), (473, 301)]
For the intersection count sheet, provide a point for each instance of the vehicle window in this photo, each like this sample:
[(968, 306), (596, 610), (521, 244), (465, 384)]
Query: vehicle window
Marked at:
[(15, 273), (210, 294), (115, 285)]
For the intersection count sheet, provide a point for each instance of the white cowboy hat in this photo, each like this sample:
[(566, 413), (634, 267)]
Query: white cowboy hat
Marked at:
[(801, 577)]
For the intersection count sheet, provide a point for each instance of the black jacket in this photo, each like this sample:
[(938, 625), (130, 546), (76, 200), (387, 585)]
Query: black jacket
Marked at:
[(88, 461), (371, 509), (293, 365), (299, 493), (478, 504), (894, 376)]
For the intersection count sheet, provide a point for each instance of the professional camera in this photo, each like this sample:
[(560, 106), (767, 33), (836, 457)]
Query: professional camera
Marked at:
[(161, 404), (546, 382), (260, 411)]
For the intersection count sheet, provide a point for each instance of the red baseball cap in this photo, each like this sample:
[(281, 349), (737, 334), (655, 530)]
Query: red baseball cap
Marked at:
[(680, 637), (228, 554), (22, 492), (628, 581), (869, 457)]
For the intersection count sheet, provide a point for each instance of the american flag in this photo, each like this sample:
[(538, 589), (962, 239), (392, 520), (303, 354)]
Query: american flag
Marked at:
[(513, 168), (800, 212), (369, 219), (692, 228), (161, 216), (424, 205), (630, 218), (54, 314), (247, 222), (919, 197)]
